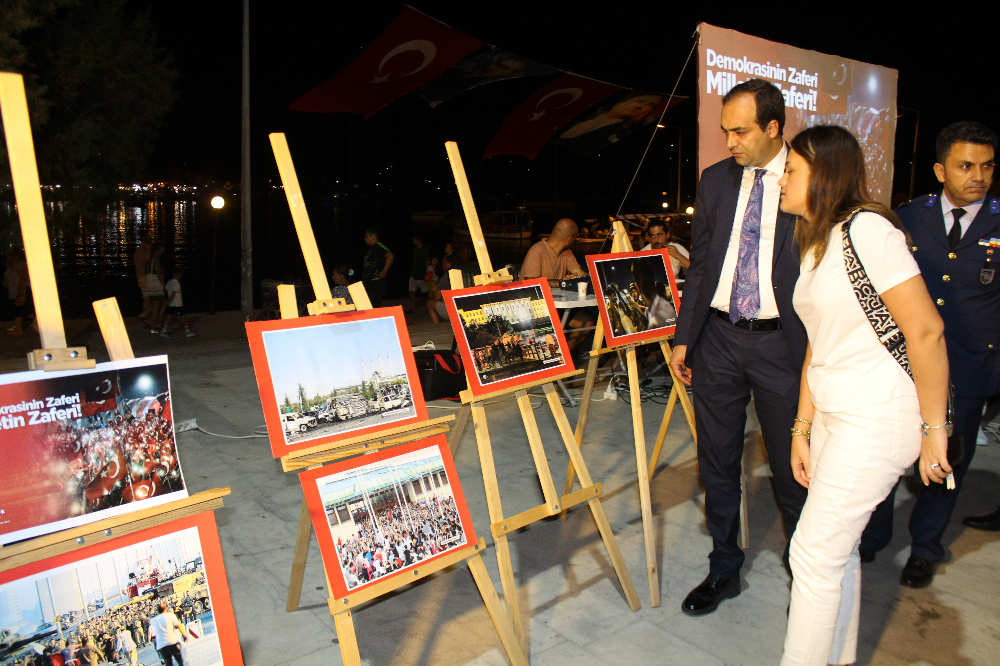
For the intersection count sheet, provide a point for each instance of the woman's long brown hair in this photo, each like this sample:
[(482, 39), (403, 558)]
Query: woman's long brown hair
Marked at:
[(838, 186)]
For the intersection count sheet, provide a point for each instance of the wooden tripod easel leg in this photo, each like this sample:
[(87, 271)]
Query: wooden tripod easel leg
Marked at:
[(596, 507), (645, 503), (677, 392), (344, 622), (299, 568), (504, 562), (584, 414), (455, 438), (511, 645)]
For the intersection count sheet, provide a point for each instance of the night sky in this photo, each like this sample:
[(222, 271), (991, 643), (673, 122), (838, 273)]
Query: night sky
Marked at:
[(945, 71)]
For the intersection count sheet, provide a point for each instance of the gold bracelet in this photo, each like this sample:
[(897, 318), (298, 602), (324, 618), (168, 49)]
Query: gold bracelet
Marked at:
[(803, 433), (803, 421)]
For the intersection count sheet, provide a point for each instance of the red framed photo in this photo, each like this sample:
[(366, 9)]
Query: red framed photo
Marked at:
[(636, 295), (379, 515), (508, 334), (111, 587), (79, 446), (332, 377)]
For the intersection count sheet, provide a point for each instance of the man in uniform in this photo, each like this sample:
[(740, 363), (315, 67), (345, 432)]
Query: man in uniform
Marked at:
[(737, 331), (378, 259), (956, 242)]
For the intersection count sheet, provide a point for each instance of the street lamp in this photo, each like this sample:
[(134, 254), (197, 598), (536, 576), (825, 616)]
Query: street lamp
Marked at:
[(217, 204), (690, 210)]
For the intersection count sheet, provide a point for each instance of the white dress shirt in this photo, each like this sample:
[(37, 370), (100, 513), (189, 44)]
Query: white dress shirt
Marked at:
[(949, 217), (768, 222)]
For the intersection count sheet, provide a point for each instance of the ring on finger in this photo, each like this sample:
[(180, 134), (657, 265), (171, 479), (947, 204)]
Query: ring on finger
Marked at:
[(935, 466)]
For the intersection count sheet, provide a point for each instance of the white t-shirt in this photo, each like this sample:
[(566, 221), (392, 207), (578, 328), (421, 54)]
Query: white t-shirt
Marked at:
[(166, 629), (176, 300), (674, 263), (850, 367)]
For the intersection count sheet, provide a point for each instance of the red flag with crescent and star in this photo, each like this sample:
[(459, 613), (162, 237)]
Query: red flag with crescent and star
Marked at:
[(545, 113), (413, 50)]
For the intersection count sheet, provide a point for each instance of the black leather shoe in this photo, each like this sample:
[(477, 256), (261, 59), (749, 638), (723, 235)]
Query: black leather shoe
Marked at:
[(867, 557), (989, 522), (917, 573), (706, 597)]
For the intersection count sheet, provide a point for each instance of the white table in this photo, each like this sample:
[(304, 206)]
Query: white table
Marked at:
[(566, 300)]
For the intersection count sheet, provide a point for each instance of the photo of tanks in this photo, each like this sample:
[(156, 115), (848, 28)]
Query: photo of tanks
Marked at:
[(336, 377)]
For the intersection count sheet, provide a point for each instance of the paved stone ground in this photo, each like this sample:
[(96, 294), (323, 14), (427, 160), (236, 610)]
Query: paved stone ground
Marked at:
[(574, 611)]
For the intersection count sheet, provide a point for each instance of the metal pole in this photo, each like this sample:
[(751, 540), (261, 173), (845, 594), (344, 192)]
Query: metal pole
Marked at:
[(913, 164), (678, 169), (246, 188), (215, 243)]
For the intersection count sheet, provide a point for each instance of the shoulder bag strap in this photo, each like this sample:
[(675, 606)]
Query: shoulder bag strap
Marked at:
[(878, 315)]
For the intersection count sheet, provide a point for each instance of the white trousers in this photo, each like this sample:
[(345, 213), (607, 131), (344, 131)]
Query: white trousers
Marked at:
[(855, 457)]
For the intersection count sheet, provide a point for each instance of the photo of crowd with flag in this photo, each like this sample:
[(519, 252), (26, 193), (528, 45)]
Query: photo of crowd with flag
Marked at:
[(381, 514), (81, 446), (417, 53)]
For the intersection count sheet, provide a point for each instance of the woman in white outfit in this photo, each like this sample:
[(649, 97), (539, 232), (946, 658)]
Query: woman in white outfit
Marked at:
[(862, 419)]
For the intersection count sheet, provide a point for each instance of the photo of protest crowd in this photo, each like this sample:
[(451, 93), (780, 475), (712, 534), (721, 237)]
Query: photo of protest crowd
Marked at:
[(115, 446), (109, 607), (636, 293), (391, 514)]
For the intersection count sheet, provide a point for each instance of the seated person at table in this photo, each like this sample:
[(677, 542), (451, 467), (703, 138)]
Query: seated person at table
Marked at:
[(660, 235), (551, 258)]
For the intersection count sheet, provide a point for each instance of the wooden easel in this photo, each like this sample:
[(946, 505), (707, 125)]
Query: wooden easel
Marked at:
[(590, 493), (341, 608), (54, 354)]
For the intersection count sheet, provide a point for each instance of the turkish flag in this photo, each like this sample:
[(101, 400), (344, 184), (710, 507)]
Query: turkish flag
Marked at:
[(413, 50), (543, 114)]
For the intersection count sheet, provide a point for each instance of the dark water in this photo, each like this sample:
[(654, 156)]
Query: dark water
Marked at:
[(97, 263)]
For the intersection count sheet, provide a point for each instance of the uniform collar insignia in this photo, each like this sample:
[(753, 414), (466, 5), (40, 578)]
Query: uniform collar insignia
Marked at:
[(931, 200), (994, 206)]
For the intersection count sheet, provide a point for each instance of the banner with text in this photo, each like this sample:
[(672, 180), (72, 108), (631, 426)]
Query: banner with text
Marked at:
[(819, 89)]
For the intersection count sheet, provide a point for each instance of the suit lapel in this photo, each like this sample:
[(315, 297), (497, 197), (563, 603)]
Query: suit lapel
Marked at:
[(727, 210), (983, 225), (934, 221), (783, 229)]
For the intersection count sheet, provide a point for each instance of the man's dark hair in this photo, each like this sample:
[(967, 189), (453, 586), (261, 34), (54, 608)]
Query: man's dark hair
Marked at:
[(965, 131), (658, 223), (371, 231), (770, 102)]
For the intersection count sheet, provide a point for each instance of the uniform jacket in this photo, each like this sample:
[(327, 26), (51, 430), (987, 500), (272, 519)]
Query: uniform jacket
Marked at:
[(963, 286), (715, 210)]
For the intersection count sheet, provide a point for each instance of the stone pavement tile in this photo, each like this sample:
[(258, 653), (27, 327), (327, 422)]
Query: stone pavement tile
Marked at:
[(328, 656), (586, 617), (494, 657), (567, 654), (645, 643), (542, 637), (744, 621)]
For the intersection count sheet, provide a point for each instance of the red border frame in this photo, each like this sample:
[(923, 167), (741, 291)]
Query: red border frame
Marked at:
[(327, 547), (632, 338), (475, 385), (272, 416), (215, 571)]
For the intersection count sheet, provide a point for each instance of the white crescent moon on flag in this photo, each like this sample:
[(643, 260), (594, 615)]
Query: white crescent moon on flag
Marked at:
[(424, 46), (574, 94), (105, 386)]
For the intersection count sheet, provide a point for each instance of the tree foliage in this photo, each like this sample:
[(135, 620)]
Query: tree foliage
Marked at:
[(99, 90)]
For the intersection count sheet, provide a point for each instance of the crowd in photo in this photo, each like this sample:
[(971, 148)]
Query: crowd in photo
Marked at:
[(403, 535)]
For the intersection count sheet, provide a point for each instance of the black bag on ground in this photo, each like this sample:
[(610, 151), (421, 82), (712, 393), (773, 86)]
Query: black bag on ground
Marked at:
[(440, 373)]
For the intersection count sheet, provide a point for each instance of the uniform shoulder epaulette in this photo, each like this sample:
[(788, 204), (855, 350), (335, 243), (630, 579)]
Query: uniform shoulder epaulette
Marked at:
[(994, 206), (925, 199)]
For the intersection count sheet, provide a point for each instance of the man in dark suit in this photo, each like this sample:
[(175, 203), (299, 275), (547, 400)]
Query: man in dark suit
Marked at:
[(956, 242), (737, 331)]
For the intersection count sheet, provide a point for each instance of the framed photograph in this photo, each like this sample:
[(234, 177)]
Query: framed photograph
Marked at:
[(636, 295), (379, 515), (332, 377), (508, 334), (82, 445), (98, 593)]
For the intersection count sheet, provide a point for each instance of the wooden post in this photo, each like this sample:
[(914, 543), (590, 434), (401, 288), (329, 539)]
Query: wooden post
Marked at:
[(469, 206), (109, 319), (645, 504)]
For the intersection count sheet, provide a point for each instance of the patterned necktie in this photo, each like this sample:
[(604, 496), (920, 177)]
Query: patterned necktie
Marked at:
[(955, 234), (745, 296)]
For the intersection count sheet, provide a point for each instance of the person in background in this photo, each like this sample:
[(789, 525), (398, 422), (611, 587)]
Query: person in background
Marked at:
[(737, 332), (660, 236), (340, 280), (951, 233), (436, 308), (88, 655), (141, 258), (850, 446), (175, 305), (551, 258), (154, 287), (167, 633), (19, 300), (125, 646), (418, 271), (447, 258), (378, 260)]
